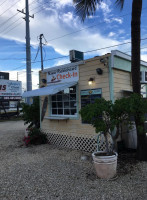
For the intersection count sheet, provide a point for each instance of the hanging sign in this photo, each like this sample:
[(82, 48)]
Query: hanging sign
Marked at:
[(63, 74)]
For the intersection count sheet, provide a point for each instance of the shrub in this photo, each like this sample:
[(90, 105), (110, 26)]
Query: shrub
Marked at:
[(35, 137), (31, 113)]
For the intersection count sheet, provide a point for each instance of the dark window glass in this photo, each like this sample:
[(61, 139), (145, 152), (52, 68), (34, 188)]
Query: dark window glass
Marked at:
[(66, 104), (65, 97), (73, 111), (66, 112), (59, 104), (72, 96), (73, 104), (59, 97), (60, 111), (54, 111), (54, 98), (54, 105)]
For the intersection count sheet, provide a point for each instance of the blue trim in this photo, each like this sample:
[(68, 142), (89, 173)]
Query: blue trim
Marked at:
[(111, 78)]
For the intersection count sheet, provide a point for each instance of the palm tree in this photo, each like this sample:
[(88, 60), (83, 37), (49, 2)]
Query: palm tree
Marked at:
[(86, 8)]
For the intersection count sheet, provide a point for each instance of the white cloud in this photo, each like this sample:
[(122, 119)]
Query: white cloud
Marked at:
[(60, 24), (111, 34), (21, 75), (144, 57), (119, 20)]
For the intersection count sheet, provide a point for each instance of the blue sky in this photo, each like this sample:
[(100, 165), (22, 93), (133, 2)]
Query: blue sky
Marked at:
[(63, 31)]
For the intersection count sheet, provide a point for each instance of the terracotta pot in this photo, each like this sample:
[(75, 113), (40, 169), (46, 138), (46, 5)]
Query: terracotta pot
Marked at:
[(105, 166)]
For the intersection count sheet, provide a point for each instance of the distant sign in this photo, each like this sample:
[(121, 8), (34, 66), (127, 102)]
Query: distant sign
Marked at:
[(63, 74), (10, 89)]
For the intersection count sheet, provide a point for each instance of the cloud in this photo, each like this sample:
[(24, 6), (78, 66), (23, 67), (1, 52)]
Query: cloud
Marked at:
[(111, 34), (60, 23), (21, 75), (144, 57)]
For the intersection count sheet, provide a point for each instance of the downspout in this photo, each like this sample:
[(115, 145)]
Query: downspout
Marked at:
[(111, 77), (111, 84)]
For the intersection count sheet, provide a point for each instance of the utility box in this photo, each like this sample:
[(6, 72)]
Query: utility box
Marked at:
[(76, 56)]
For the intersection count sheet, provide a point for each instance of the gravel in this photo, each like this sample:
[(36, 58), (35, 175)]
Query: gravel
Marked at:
[(46, 172)]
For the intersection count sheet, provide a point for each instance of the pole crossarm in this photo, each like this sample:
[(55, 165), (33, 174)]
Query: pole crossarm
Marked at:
[(22, 11)]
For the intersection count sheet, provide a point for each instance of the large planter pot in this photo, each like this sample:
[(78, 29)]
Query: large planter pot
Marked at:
[(105, 166)]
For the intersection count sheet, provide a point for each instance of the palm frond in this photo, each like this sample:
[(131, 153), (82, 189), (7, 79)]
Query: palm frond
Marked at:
[(120, 3), (86, 8)]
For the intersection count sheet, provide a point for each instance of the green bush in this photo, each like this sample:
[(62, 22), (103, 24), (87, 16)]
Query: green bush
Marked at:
[(104, 115), (31, 113), (37, 137)]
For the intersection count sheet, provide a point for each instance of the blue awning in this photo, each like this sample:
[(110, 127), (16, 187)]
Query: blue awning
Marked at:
[(48, 90)]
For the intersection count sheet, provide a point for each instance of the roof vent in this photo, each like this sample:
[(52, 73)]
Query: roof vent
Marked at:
[(76, 56)]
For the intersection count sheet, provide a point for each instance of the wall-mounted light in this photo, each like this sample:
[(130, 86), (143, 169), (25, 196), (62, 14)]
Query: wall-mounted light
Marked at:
[(104, 60), (43, 80), (99, 71), (90, 81)]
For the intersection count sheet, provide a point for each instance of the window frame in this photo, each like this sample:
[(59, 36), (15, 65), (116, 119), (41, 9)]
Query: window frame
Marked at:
[(76, 116)]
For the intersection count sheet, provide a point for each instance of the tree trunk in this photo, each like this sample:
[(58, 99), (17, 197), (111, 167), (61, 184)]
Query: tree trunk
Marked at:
[(135, 70), (135, 36)]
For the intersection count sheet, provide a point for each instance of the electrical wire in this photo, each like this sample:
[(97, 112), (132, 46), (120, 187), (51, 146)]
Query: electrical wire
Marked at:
[(9, 8), (9, 26), (2, 3), (87, 27), (2, 24), (13, 27), (83, 52), (37, 53), (44, 53)]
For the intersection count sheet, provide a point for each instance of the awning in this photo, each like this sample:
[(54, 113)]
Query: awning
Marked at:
[(48, 90)]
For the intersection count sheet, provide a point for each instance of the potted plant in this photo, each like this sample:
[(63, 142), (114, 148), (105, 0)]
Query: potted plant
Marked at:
[(106, 116)]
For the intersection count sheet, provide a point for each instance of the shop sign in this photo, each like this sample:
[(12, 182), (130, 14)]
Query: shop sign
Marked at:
[(63, 74), (10, 88), (91, 92)]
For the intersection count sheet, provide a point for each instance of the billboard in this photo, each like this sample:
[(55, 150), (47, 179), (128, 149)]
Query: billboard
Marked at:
[(10, 90)]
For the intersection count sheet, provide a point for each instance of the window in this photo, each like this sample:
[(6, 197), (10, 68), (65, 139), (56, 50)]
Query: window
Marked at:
[(1, 77), (64, 102), (89, 96)]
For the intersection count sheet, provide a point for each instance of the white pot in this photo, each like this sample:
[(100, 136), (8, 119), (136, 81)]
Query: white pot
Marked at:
[(105, 166)]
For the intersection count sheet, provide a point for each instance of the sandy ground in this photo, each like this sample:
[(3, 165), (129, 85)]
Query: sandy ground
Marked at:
[(46, 172)]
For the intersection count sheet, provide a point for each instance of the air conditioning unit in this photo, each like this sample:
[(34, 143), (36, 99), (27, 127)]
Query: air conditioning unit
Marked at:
[(143, 77), (76, 56)]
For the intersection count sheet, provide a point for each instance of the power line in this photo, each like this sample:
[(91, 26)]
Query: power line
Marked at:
[(9, 26), (83, 52), (37, 53), (9, 8), (87, 27), (3, 3), (8, 20), (13, 27)]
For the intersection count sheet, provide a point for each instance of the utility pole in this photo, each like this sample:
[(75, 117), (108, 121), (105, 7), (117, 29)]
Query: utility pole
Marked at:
[(28, 52), (41, 35)]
